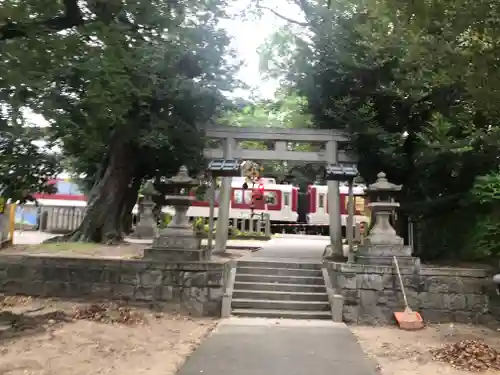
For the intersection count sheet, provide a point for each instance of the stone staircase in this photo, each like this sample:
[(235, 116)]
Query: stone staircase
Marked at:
[(272, 289)]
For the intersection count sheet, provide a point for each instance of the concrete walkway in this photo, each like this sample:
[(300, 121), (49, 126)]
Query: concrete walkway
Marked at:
[(253, 346)]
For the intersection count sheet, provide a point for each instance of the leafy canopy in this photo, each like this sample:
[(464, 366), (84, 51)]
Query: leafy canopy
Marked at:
[(150, 71), (413, 87)]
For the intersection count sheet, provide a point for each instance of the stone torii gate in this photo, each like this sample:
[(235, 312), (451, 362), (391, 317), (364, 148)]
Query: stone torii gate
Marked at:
[(280, 137)]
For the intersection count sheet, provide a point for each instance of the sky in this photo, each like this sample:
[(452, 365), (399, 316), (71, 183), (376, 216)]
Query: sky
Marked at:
[(250, 34)]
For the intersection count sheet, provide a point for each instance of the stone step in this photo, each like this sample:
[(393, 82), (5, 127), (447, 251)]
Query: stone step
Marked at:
[(284, 314), (244, 285), (278, 264), (304, 280), (278, 271), (279, 295), (241, 303)]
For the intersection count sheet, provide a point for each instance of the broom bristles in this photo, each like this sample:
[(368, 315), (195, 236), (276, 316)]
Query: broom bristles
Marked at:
[(409, 320)]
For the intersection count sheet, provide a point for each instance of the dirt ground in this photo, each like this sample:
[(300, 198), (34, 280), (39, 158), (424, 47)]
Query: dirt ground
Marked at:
[(85, 250), (50, 339), (400, 352), (123, 251)]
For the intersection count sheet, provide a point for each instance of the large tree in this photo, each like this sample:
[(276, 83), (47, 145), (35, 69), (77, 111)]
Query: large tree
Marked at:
[(413, 89), (126, 86)]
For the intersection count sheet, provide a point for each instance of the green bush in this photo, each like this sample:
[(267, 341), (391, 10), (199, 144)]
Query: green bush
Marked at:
[(485, 236), (468, 232), (165, 219), (233, 232), (199, 225)]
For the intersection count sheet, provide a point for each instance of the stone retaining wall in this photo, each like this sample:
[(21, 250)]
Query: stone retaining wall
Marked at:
[(196, 286), (372, 293), (4, 229)]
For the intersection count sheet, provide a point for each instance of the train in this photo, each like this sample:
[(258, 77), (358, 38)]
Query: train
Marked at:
[(289, 209)]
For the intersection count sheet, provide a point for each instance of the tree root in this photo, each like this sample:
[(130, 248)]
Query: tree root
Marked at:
[(59, 239)]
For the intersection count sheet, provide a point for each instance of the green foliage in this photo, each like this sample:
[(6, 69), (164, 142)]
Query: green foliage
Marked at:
[(201, 192), (124, 81), (486, 190), (199, 225), (287, 110), (485, 238), (409, 86), (233, 232), (485, 233), (24, 167), (165, 219)]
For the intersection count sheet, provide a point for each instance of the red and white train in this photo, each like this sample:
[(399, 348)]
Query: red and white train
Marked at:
[(289, 209)]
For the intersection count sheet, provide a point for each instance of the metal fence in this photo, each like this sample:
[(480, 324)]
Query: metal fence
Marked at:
[(258, 226), (64, 219), (56, 219), (261, 225)]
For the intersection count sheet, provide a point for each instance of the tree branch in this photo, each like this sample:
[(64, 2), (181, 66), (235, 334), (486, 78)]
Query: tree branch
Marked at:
[(287, 19), (310, 14), (72, 17)]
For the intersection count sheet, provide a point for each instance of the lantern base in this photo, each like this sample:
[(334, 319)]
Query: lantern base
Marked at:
[(144, 231), (177, 245), (403, 261), (384, 255), (385, 250)]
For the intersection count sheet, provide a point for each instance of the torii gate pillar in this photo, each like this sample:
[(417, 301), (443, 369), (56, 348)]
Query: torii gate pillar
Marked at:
[(280, 137), (228, 146), (334, 202)]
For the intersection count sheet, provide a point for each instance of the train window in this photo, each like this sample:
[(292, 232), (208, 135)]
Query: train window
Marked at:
[(286, 199), (248, 196), (360, 204), (270, 197), (238, 196), (321, 201), (63, 187), (75, 189), (68, 188)]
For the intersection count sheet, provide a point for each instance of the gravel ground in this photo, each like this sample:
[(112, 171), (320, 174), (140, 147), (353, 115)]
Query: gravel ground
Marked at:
[(408, 353), (49, 338)]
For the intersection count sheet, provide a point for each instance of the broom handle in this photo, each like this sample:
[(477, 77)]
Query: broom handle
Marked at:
[(401, 281)]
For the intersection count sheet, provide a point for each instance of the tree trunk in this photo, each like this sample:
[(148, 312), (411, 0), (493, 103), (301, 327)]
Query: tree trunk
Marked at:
[(107, 203), (128, 206)]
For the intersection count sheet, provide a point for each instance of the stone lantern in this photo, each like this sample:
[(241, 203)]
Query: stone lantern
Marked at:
[(178, 242), (383, 243), (146, 226), (178, 188)]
